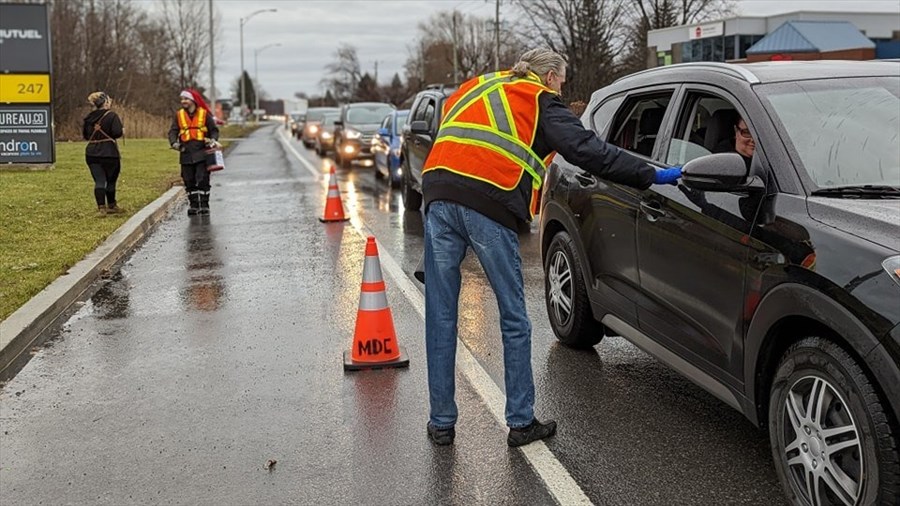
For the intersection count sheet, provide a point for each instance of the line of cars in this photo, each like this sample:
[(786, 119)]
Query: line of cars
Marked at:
[(356, 131), (396, 141)]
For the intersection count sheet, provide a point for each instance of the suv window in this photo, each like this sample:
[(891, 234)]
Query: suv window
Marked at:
[(705, 126), (425, 111), (602, 117), (639, 121)]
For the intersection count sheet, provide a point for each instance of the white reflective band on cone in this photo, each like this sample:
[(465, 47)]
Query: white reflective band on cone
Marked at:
[(372, 301), (372, 270), (333, 193)]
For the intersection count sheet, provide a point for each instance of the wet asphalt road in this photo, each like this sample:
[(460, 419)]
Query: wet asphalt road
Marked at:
[(218, 347)]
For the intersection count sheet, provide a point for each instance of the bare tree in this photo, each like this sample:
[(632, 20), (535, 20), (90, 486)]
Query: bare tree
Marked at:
[(344, 73), (464, 45), (646, 15), (585, 32), (187, 30)]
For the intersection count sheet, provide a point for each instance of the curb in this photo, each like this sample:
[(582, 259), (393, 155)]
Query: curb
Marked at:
[(22, 330)]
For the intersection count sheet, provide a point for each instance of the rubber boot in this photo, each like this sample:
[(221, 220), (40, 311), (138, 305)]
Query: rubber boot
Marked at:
[(194, 199), (204, 202)]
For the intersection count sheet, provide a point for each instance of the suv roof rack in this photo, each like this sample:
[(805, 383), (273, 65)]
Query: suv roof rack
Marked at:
[(441, 86), (728, 68)]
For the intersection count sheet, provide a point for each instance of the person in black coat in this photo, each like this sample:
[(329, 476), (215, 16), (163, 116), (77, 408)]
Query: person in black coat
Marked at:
[(102, 127), (193, 133)]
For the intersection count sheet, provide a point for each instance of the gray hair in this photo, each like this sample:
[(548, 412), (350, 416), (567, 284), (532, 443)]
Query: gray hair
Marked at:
[(540, 61)]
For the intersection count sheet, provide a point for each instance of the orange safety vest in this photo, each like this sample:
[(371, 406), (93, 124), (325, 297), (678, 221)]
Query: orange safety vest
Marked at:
[(192, 129), (487, 130)]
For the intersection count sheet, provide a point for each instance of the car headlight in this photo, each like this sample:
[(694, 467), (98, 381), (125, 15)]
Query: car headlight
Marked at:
[(313, 129), (352, 134), (326, 135), (892, 266)]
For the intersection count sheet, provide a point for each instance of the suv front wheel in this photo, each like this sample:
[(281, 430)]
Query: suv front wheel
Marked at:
[(567, 300), (831, 438)]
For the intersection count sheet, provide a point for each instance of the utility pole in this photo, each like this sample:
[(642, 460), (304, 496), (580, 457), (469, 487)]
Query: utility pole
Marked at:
[(376, 72), (212, 61), (497, 34), (241, 80), (455, 51)]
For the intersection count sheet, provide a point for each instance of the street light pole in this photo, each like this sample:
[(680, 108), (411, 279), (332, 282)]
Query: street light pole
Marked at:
[(256, 73), (241, 79), (212, 61)]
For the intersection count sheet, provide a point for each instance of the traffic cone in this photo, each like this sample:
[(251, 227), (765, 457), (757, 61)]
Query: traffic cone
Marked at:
[(334, 209), (375, 344)]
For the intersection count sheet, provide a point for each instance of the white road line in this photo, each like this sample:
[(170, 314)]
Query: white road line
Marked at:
[(285, 142), (557, 480)]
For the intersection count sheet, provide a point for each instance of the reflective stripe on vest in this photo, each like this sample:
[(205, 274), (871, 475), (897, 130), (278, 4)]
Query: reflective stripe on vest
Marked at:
[(497, 131), (192, 129)]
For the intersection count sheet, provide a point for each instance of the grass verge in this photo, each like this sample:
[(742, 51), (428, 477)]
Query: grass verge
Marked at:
[(49, 220)]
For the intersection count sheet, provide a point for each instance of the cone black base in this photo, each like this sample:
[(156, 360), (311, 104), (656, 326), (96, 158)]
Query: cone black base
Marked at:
[(350, 365), (323, 220)]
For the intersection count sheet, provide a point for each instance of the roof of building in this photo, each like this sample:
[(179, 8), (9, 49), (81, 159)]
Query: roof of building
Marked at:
[(812, 37)]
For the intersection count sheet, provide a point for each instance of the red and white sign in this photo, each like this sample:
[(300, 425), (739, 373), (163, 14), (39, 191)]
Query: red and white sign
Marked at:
[(708, 30)]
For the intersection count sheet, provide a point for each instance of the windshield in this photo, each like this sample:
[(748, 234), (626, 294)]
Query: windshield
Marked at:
[(317, 114), (298, 116), (360, 115), (401, 121), (330, 118), (845, 132)]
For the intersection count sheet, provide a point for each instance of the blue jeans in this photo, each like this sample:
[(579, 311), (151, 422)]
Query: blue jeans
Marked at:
[(450, 229)]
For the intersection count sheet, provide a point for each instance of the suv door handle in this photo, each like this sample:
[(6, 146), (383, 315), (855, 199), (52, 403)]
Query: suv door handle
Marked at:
[(585, 179), (652, 209)]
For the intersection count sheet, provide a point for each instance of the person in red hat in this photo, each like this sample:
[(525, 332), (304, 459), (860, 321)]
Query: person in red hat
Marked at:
[(193, 132)]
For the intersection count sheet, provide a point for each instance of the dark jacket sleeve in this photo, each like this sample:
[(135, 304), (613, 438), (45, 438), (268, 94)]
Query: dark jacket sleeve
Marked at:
[(173, 131), (212, 130), (564, 133), (114, 126), (87, 129)]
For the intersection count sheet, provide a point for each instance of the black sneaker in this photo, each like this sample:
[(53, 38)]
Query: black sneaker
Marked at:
[(531, 433), (441, 437)]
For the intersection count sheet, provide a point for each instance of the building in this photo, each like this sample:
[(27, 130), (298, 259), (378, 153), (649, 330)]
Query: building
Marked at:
[(729, 39), (813, 40)]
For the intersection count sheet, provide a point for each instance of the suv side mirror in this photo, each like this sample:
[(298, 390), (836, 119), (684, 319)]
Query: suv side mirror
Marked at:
[(419, 127), (718, 173), (338, 123), (383, 132)]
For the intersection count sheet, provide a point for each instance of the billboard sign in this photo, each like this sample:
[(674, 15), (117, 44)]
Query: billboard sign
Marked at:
[(26, 118), (24, 39), (25, 134)]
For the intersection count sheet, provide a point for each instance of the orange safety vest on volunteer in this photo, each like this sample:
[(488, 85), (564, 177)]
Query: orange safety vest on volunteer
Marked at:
[(487, 130), (192, 129)]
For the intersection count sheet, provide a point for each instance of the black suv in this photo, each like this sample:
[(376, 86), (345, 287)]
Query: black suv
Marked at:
[(356, 129), (418, 137), (773, 281)]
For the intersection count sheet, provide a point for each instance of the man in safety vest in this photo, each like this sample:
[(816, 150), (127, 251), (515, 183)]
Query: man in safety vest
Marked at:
[(481, 183), (193, 132)]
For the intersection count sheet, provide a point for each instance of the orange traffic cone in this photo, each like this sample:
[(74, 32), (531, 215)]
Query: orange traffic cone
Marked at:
[(375, 344), (334, 209)]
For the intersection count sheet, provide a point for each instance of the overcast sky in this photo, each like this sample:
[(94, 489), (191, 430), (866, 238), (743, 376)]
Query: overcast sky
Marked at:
[(308, 32)]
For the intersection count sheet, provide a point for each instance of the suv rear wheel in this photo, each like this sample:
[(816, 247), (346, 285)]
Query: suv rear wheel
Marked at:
[(567, 301), (831, 439), (412, 200)]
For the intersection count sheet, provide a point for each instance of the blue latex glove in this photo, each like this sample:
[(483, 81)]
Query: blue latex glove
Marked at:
[(667, 176)]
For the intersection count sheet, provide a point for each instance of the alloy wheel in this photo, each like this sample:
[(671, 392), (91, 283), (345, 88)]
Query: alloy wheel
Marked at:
[(822, 445), (560, 277)]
